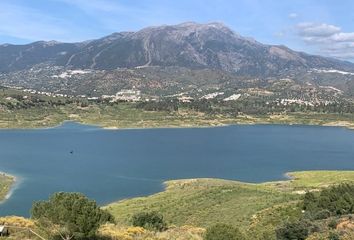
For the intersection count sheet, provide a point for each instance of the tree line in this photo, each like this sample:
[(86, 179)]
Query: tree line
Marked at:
[(326, 206), (246, 106)]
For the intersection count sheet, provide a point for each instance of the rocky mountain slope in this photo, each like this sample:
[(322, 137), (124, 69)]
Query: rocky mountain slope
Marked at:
[(185, 47), (189, 45)]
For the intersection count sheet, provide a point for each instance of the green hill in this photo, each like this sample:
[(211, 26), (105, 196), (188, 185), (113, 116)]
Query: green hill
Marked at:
[(191, 205), (255, 208)]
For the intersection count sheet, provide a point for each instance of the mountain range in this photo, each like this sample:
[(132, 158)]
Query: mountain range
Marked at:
[(187, 48)]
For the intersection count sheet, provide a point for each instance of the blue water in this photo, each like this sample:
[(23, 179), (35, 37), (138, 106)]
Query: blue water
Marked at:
[(109, 165)]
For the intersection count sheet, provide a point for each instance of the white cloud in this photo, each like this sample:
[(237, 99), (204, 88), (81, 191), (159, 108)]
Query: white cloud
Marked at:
[(329, 39), (293, 15), (309, 29), (279, 34), (343, 37), (345, 53)]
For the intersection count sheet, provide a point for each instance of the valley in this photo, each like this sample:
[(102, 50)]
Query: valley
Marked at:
[(189, 125), (183, 75)]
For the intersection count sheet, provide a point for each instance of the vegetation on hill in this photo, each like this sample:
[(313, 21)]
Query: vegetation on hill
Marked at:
[(257, 209), (337, 200), (313, 205), (119, 232), (298, 230), (149, 220), (69, 216), (325, 214), (256, 106), (223, 232), (25, 110)]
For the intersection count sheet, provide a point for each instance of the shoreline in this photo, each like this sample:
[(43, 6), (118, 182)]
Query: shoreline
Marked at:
[(178, 199), (13, 177), (227, 125), (339, 124), (127, 117), (289, 178)]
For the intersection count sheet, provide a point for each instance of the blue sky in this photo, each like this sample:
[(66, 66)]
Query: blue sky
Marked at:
[(323, 27)]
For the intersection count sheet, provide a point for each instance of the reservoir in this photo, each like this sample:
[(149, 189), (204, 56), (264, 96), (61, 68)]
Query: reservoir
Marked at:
[(108, 165)]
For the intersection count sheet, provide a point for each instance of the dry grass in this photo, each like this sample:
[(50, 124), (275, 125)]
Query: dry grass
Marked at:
[(116, 232)]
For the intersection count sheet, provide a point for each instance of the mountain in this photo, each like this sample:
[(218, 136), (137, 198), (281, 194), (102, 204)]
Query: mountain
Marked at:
[(190, 46)]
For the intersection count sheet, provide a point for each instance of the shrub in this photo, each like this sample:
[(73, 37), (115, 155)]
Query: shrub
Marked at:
[(149, 220), (223, 232), (322, 214), (298, 230), (71, 215), (333, 236), (337, 200), (332, 224)]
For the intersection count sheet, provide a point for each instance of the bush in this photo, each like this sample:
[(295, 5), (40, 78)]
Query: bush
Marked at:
[(322, 214), (332, 224), (223, 232), (149, 220), (333, 236), (298, 230), (71, 215), (337, 200)]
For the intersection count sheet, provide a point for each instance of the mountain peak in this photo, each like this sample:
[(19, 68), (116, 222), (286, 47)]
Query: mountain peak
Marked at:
[(191, 26), (196, 24)]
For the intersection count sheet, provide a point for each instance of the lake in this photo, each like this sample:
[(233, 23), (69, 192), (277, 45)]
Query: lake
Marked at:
[(108, 165)]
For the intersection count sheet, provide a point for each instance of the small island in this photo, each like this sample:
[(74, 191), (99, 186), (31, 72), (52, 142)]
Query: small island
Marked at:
[(6, 182)]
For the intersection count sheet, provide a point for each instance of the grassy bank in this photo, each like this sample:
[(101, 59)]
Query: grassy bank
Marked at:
[(125, 115), (255, 208), (191, 205), (6, 182)]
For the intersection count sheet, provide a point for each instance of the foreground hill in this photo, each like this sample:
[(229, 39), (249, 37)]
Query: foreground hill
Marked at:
[(188, 55), (255, 208), (192, 205)]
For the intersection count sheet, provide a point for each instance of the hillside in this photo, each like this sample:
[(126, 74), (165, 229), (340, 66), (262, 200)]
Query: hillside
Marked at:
[(190, 206), (256, 208), (190, 45), (164, 60), (24, 109)]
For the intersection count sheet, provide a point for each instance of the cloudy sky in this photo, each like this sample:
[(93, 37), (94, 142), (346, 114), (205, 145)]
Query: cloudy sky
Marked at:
[(324, 27)]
